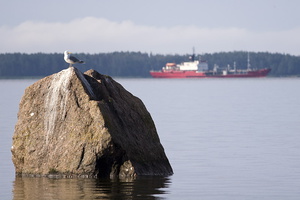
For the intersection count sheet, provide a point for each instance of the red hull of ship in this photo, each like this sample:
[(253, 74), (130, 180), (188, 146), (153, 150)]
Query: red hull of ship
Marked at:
[(196, 74)]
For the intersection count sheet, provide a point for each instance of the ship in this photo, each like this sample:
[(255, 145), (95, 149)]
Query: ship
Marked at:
[(199, 69)]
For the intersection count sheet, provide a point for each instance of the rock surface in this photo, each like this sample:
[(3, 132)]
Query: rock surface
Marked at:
[(76, 124)]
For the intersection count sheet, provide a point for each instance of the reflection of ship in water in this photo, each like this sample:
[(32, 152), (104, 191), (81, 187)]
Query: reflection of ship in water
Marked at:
[(199, 69), (144, 187)]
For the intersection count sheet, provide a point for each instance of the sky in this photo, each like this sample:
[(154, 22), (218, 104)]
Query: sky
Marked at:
[(150, 26)]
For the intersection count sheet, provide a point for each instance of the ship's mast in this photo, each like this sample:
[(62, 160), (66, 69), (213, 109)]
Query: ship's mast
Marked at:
[(248, 62), (192, 57), (234, 66)]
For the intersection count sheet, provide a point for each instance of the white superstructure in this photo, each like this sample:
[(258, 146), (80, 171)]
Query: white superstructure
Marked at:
[(188, 66), (193, 65)]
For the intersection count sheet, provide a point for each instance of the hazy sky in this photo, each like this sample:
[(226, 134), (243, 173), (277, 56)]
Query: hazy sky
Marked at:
[(157, 26)]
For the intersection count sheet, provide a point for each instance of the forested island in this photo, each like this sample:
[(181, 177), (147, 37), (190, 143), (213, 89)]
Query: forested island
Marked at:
[(138, 64)]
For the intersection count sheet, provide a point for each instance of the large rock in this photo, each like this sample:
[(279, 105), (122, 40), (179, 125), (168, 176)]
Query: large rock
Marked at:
[(88, 125)]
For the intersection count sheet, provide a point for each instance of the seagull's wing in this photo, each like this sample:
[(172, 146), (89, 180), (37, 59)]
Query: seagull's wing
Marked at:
[(74, 59)]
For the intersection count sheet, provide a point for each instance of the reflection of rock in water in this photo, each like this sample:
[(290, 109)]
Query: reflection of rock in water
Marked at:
[(26, 188), (88, 125)]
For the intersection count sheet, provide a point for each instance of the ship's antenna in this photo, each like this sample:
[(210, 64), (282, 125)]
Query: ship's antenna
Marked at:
[(248, 62)]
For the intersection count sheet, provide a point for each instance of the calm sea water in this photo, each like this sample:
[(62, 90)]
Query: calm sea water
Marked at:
[(225, 139)]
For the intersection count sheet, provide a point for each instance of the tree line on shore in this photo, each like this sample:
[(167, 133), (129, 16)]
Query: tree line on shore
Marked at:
[(138, 64)]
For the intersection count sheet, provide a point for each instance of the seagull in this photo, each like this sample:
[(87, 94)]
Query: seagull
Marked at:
[(71, 59)]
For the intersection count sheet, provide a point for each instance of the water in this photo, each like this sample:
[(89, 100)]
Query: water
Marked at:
[(225, 139)]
